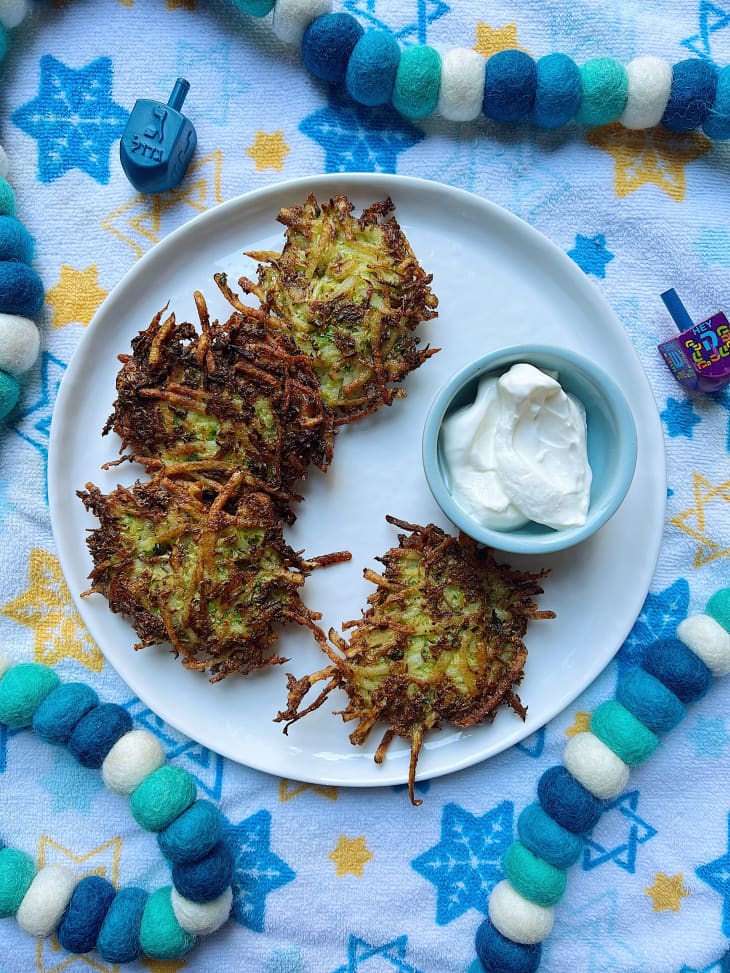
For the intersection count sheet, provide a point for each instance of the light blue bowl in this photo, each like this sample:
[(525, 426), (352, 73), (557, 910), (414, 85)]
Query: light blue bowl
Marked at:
[(611, 444)]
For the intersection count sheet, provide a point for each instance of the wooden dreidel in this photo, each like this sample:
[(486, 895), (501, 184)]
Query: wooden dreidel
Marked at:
[(699, 356), (158, 142)]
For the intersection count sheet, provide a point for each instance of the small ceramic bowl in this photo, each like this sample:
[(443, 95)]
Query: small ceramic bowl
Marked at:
[(611, 443)]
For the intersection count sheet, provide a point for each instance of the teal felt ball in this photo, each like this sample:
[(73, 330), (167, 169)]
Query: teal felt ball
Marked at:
[(417, 82), (162, 797), (59, 713), (649, 701), (619, 729), (510, 83), (534, 878), (681, 671), (605, 85), (327, 45), (558, 91), (7, 198), (22, 690), (546, 838), (694, 83), (191, 835), (372, 68), (718, 607), (96, 733), (118, 939), (17, 871), (9, 393), (160, 934), (256, 8), (21, 289), (82, 921), (15, 241)]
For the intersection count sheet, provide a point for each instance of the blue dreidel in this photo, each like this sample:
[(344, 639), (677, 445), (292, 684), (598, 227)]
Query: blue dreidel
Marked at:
[(158, 142)]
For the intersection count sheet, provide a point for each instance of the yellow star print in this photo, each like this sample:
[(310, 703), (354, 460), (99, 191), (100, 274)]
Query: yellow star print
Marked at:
[(163, 965), (490, 40), (699, 521), (144, 221), (650, 156), (47, 608), (581, 724), (667, 892), (76, 296), (350, 856), (268, 151), (287, 793)]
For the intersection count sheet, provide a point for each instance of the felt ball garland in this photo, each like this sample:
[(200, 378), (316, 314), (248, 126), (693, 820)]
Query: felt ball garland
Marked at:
[(120, 924), (623, 733)]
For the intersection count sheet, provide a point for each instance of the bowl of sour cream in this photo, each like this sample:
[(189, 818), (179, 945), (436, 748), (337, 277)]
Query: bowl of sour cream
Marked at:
[(529, 449)]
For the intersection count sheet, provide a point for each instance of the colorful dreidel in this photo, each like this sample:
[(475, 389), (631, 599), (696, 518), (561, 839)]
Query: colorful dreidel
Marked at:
[(699, 356), (158, 142)]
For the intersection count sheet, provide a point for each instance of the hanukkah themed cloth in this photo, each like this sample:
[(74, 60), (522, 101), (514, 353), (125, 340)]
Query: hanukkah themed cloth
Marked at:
[(332, 879)]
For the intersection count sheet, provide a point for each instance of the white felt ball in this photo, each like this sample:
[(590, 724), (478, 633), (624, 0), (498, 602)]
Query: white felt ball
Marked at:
[(650, 83), (4, 164), (596, 766), (5, 664), (517, 918), (292, 17), (13, 12), (708, 640), (45, 902), (461, 94), (132, 758), (202, 918), (20, 343)]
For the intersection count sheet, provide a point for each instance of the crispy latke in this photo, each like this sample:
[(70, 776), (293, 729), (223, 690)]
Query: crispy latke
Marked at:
[(208, 572), (440, 642), (234, 396), (351, 293)]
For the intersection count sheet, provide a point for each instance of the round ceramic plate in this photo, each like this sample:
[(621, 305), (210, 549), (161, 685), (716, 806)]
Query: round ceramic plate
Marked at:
[(498, 282)]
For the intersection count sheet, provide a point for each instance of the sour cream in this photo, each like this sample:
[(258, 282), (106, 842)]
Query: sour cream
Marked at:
[(519, 453)]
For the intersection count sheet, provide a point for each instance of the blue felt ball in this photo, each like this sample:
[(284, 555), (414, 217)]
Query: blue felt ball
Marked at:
[(678, 668), (372, 68), (497, 954), (84, 915), (191, 835), (717, 124), (546, 838), (567, 801), (118, 940), (557, 91), (97, 732), (510, 83), (15, 241), (649, 700), (21, 289), (9, 393), (327, 45), (206, 879), (56, 718), (694, 83)]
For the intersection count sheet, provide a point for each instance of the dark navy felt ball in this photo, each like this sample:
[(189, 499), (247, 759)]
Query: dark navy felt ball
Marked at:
[(206, 879), (497, 954), (84, 916), (694, 84), (510, 83), (327, 45), (97, 732), (567, 801), (21, 289), (678, 668)]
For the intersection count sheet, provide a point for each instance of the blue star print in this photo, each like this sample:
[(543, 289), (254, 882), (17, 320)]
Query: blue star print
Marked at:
[(710, 736), (5, 734), (218, 84), (466, 864), (73, 119), (393, 954), (713, 246), (712, 20), (534, 745), (716, 874), (409, 30), (721, 966), (680, 418), (71, 786), (659, 618), (257, 870), (592, 930), (590, 254), (620, 814), (357, 139)]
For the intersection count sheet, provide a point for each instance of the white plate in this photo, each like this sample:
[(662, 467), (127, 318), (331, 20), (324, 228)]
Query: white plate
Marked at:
[(498, 282)]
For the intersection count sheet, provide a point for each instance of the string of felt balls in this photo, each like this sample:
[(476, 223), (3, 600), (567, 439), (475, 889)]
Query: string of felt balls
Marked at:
[(624, 732), (120, 924)]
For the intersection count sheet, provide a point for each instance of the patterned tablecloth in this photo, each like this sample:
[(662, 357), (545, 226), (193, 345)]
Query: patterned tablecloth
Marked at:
[(330, 879)]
